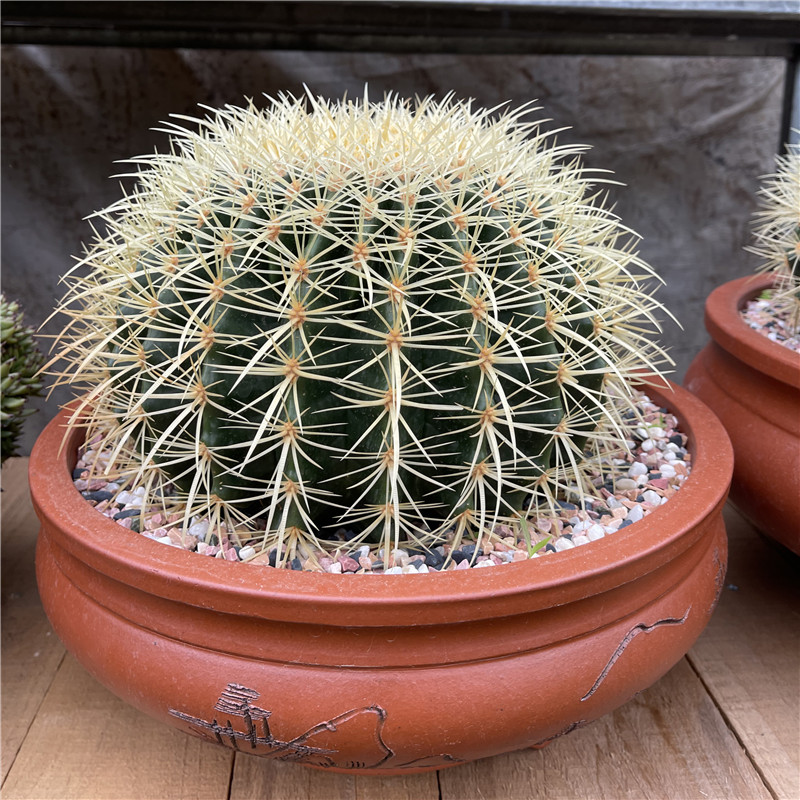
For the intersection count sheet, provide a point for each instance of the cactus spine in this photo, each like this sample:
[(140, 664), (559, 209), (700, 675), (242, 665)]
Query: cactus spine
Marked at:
[(777, 230), (399, 319)]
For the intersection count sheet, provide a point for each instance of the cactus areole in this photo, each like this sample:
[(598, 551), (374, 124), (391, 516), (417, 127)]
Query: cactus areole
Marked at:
[(404, 319)]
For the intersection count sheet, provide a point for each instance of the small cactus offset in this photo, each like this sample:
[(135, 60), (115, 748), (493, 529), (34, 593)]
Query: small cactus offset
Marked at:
[(20, 362), (777, 230), (402, 319)]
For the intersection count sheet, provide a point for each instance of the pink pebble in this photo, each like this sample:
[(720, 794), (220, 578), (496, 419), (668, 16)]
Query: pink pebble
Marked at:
[(156, 521), (348, 564), (659, 483), (520, 555), (175, 536), (231, 555), (544, 524)]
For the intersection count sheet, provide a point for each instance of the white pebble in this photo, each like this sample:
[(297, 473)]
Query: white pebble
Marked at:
[(123, 498), (391, 571), (612, 502), (488, 563), (656, 433), (246, 552), (669, 455), (636, 469), (563, 544), (667, 471), (199, 529), (648, 445), (652, 497), (423, 568), (625, 484), (635, 514), (335, 567), (672, 447), (165, 540), (408, 569), (595, 532), (642, 433)]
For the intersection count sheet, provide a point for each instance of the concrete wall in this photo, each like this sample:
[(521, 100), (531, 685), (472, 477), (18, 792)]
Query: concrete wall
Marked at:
[(688, 136)]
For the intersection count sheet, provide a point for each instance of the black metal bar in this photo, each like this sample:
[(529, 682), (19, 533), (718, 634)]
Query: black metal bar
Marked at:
[(625, 28), (789, 110)]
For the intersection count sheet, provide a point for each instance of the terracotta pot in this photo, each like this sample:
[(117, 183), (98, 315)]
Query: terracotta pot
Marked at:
[(753, 385), (383, 673)]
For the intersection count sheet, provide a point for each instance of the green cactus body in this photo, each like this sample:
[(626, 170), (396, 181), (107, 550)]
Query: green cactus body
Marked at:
[(401, 321), (777, 232)]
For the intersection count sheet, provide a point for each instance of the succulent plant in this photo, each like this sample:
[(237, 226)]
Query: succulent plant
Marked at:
[(777, 230), (405, 319), (20, 362)]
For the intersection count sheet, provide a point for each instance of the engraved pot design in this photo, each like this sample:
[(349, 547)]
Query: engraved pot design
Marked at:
[(382, 673), (753, 385)]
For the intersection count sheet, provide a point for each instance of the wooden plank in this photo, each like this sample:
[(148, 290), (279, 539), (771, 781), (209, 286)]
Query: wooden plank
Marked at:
[(669, 743), (86, 743), (31, 651), (266, 779), (749, 656)]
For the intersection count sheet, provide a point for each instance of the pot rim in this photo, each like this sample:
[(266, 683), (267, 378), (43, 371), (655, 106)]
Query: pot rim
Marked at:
[(726, 327), (238, 588)]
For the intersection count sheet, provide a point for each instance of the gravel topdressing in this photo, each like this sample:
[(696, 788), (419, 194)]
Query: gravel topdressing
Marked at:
[(773, 319), (647, 475)]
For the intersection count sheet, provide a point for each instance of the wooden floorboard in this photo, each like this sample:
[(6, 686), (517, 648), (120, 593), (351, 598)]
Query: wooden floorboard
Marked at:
[(724, 724), (266, 779), (31, 653), (749, 656), (669, 742), (85, 743)]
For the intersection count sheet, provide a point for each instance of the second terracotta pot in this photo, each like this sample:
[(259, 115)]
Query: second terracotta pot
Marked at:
[(753, 386)]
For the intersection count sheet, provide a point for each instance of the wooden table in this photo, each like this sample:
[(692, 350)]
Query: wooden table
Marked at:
[(724, 724)]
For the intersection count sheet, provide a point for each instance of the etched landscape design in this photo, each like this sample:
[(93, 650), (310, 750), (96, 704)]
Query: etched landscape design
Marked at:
[(351, 740)]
